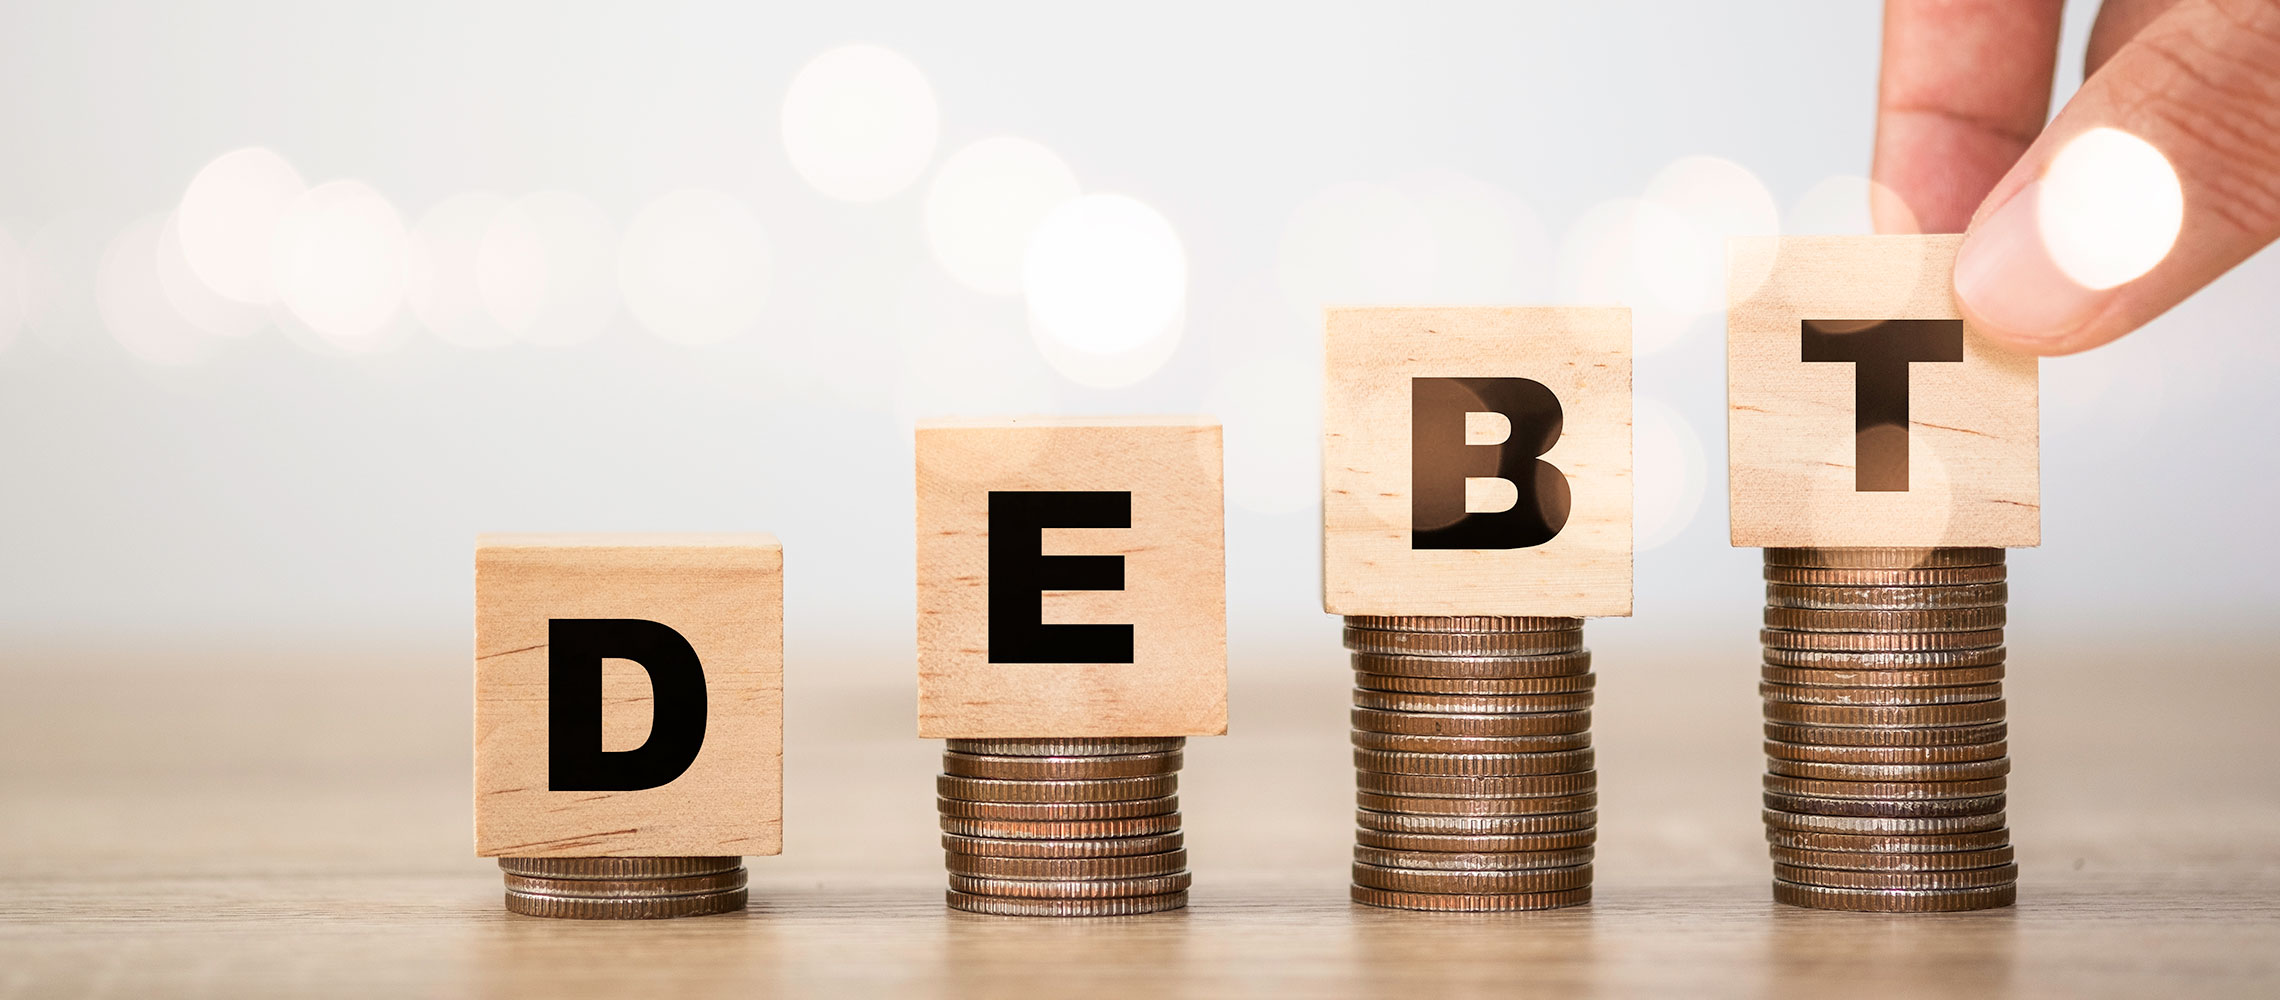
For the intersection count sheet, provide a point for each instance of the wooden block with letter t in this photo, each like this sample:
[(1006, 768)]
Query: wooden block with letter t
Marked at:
[(629, 695), (1862, 410), (1072, 578), (1477, 461)]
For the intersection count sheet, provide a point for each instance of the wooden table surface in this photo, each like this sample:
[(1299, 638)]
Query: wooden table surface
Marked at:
[(291, 818)]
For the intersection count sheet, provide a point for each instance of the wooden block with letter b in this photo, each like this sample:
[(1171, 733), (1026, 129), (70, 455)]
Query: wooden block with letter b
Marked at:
[(628, 695), (1477, 461), (1071, 578), (1863, 410)]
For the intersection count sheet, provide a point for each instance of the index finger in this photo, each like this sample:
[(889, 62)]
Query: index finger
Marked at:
[(1964, 89)]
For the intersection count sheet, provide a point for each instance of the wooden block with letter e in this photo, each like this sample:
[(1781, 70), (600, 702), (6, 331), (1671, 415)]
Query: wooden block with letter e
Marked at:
[(1862, 410), (1477, 461), (1072, 578), (629, 695)]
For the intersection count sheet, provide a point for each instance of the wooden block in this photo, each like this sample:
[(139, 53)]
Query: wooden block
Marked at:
[(629, 695), (1477, 461), (1862, 410), (1098, 604)]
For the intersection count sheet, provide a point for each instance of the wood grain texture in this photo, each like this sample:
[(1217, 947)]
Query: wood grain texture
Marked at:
[(1174, 574), (1974, 465), (1369, 565), (725, 595)]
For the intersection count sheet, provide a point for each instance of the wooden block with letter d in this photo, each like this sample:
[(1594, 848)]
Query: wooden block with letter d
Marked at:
[(628, 696), (1862, 410), (1071, 578), (1477, 461)]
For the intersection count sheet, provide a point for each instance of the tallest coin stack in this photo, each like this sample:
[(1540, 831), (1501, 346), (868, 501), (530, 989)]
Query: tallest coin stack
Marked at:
[(1886, 747)]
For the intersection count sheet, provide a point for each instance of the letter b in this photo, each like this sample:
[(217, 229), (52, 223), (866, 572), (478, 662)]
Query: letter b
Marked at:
[(1441, 461)]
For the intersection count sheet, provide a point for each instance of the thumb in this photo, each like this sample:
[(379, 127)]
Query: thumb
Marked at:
[(2089, 237)]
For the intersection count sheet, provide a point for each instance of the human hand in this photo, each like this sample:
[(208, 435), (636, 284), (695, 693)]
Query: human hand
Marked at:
[(1961, 145)]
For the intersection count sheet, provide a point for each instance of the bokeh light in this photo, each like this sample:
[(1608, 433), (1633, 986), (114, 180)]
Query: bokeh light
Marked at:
[(198, 304), (440, 282), (860, 123), (1106, 279), (133, 304), (15, 289), (228, 220), (2109, 207), (985, 202), (546, 269), (1490, 248), (1357, 244), (1705, 201), (1672, 472), (694, 267), (338, 261), (963, 353), (1843, 205), (1600, 262)]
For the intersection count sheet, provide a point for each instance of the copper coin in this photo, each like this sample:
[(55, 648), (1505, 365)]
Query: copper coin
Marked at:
[(1887, 736), (1877, 642), (1470, 744), (1470, 764), (1894, 901), (1058, 810), (1883, 558), (1807, 694), (1858, 620), (1815, 788), (1474, 826), (1462, 623), (1959, 771), (1523, 843), (1081, 829), (1475, 685), (1886, 598), (1106, 888), (1886, 755), (1434, 724), (1362, 640), (1978, 713), (1452, 902), (1133, 866), (1473, 786), (971, 765), (1478, 881), (1886, 843), (1147, 786), (1977, 805), (1008, 847), (618, 868), (1948, 576), (646, 908), (1951, 677), (1915, 826), (627, 888), (1404, 665), (1507, 861), (1472, 704), (1916, 861), (1887, 659), (1086, 747), (1530, 806), (1107, 906)]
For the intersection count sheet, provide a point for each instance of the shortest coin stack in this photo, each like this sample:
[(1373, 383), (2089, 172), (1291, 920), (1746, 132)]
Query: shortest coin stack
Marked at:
[(1063, 827), (623, 888)]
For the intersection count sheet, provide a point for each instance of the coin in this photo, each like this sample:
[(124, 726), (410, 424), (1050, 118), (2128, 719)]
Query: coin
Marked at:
[(1463, 623), (1894, 901), (1917, 861), (1470, 902), (1782, 595), (1133, 866), (1816, 788), (1883, 558), (1908, 755), (1470, 744), (1879, 642), (1086, 829), (1900, 826), (1468, 704), (1483, 764), (1953, 676), (1477, 881), (618, 868), (1112, 906), (1147, 786), (628, 888), (1977, 805), (1977, 619), (1922, 576), (1475, 685), (1068, 747), (1542, 665), (1885, 659), (640, 908), (1845, 737), (1010, 847), (1362, 640), (1101, 888), (968, 765), (1885, 843), (1958, 771), (1806, 694), (1887, 716), (1474, 826), (1431, 724), (1473, 862), (1522, 843), (1058, 810), (1529, 806), (1475, 786)]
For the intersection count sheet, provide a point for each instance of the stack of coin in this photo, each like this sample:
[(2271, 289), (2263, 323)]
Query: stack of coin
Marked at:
[(623, 888), (1472, 752), (1885, 737), (1063, 827)]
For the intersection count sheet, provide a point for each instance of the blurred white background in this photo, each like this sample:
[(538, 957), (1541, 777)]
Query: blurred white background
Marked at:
[(297, 298)]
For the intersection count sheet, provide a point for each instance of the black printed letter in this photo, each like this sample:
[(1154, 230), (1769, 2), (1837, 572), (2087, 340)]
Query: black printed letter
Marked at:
[(1020, 573), (575, 650), (1440, 461), (1880, 351)]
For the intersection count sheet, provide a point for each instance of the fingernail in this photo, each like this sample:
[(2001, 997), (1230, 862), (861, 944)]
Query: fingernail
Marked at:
[(2008, 284)]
